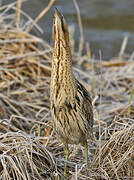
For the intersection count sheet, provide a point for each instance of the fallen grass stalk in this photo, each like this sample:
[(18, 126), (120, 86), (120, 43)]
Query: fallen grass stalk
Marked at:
[(28, 146), (24, 157)]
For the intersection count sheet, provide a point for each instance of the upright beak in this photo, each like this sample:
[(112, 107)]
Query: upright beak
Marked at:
[(60, 31), (58, 14)]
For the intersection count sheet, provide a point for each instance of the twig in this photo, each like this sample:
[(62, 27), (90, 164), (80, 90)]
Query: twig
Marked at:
[(123, 46), (17, 14), (81, 40), (40, 15)]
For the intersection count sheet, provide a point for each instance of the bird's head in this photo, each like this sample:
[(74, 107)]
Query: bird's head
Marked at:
[(60, 31)]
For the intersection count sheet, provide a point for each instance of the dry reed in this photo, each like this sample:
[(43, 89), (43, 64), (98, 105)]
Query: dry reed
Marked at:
[(28, 146)]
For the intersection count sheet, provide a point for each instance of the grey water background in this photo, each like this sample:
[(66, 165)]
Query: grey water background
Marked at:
[(105, 22)]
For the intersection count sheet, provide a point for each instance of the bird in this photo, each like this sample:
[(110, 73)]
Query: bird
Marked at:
[(70, 102)]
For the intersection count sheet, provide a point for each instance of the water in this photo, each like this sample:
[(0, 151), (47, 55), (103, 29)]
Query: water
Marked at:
[(105, 23)]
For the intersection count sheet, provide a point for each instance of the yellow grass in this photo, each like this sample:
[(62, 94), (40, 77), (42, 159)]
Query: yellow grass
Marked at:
[(29, 148)]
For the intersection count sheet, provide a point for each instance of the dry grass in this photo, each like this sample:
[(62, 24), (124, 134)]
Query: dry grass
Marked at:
[(116, 158), (23, 158), (29, 148)]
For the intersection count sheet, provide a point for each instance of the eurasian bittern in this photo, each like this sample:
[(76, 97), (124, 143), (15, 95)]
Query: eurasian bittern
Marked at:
[(71, 105)]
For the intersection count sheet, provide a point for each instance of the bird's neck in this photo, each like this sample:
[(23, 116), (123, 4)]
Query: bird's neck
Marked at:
[(62, 78), (62, 64)]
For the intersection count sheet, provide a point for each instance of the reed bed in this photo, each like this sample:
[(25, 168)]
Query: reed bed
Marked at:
[(29, 148)]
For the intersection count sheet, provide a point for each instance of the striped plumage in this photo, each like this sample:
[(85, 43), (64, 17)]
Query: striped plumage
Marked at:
[(71, 105)]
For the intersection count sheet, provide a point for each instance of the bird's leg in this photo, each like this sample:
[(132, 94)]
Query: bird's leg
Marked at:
[(86, 152), (66, 159)]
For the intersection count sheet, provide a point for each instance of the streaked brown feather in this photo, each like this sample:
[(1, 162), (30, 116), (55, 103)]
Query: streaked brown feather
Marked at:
[(71, 105)]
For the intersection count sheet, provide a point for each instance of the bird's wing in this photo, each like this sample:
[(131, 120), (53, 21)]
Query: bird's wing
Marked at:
[(85, 104)]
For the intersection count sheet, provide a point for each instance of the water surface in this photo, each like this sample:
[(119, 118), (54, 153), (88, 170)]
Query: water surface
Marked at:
[(105, 23)]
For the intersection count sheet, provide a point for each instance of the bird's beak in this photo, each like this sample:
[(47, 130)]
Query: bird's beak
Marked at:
[(58, 14), (60, 30)]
